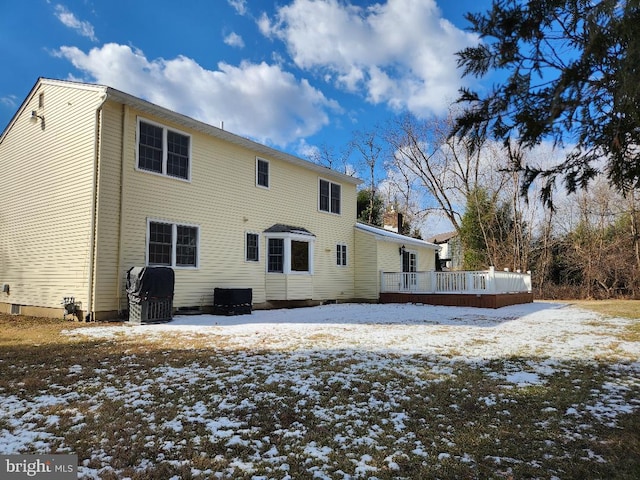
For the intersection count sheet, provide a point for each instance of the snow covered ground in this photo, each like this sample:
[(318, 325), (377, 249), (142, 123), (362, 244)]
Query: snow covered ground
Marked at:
[(540, 329), (338, 391)]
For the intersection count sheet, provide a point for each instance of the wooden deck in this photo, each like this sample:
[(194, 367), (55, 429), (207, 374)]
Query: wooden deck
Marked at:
[(484, 289), (480, 300)]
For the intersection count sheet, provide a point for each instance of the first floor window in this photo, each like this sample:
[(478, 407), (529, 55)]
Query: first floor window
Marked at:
[(252, 252), (172, 245), (275, 261), (160, 243), (186, 246), (299, 256), (289, 252), (341, 254)]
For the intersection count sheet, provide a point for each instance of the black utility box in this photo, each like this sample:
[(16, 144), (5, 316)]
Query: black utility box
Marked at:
[(232, 301), (150, 293)]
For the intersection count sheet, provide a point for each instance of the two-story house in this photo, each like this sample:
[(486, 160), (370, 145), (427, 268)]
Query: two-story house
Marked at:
[(94, 181)]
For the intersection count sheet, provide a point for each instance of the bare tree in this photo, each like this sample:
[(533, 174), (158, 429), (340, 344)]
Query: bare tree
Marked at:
[(367, 144), (448, 168), (326, 156)]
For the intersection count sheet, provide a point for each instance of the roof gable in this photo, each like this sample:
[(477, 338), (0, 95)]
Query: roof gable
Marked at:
[(185, 121)]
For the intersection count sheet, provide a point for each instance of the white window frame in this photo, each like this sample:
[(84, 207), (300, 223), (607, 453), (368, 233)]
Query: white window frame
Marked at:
[(246, 234), (320, 209), (341, 249), (174, 241), (286, 261), (268, 185), (165, 131), (411, 279)]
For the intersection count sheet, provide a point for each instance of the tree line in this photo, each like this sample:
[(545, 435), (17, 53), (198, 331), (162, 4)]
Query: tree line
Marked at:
[(541, 172)]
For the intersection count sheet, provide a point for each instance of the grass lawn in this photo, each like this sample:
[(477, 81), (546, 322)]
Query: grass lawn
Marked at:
[(334, 401)]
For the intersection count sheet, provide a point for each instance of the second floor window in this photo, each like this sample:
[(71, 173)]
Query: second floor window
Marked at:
[(329, 200), (163, 151), (262, 173)]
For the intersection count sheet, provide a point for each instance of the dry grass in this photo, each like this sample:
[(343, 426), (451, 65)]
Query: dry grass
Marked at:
[(193, 409), (614, 308)]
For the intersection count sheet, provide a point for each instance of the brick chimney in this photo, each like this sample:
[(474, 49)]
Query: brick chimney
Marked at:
[(392, 221)]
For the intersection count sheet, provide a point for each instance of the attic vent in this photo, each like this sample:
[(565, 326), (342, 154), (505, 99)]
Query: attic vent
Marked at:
[(41, 100), (15, 309)]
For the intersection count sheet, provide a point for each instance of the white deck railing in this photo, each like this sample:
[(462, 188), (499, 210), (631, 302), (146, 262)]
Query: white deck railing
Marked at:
[(471, 282)]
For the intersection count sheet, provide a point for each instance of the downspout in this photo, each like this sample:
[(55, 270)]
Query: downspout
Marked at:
[(124, 118), (94, 209)]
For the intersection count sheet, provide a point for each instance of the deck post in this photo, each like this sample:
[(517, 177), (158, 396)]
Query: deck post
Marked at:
[(491, 280), (434, 279)]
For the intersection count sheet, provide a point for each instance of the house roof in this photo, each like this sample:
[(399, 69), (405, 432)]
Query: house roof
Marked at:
[(389, 236), (443, 237), (183, 120), (281, 228)]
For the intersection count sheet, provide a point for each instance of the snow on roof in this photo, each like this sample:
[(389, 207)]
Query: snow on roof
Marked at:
[(443, 237), (390, 236)]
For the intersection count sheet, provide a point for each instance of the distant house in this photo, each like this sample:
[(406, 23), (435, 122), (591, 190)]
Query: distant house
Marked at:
[(94, 181), (450, 255)]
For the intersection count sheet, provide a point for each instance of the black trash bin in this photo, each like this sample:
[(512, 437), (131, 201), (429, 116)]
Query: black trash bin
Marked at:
[(150, 293), (232, 301)]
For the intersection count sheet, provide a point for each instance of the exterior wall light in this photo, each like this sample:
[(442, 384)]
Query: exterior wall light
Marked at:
[(35, 116)]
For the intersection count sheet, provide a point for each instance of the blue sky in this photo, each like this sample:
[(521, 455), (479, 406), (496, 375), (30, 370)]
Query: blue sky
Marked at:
[(294, 74)]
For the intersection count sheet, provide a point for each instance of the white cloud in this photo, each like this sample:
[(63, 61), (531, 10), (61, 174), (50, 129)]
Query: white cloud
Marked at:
[(308, 151), (68, 19), (234, 40), (10, 101), (240, 6), (400, 52), (261, 101)]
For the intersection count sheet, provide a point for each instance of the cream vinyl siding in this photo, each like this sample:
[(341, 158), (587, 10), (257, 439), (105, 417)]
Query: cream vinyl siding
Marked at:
[(108, 277), (376, 253), (390, 259), (46, 195), (426, 258), (367, 276), (53, 243), (223, 199)]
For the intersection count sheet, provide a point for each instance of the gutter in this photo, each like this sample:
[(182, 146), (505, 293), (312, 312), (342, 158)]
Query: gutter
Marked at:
[(124, 119), (94, 209)]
